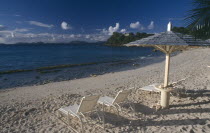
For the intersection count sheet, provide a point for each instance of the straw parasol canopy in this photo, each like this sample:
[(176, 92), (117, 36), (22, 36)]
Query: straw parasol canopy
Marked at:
[(168, 42)]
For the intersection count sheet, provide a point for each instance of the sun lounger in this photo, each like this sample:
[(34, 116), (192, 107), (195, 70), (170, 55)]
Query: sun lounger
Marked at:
[(152, 87), (87, 105), (121, 97), (156, 87)]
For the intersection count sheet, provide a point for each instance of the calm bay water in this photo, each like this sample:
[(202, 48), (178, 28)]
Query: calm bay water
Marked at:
[(14, 57)]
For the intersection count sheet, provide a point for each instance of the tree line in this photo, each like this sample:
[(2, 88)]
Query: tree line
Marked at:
[(187, 31), (118, 39)]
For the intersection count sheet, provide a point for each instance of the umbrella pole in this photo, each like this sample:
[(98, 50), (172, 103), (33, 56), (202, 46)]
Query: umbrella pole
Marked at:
[(167, 69), (165, 94)]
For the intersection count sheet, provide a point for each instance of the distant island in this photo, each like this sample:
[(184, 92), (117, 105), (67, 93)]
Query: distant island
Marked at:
[(58, 43), (118, 39)]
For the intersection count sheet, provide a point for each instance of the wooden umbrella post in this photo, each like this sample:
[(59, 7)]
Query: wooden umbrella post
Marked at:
[(165, 94), (167, 70)]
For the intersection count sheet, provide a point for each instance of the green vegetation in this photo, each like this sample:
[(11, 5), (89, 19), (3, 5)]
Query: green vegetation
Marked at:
[(199, 19), (117, 39), (182, 30), (188, 31)]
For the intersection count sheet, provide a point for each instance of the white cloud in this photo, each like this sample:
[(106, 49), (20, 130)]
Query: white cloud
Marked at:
[(21, 30), (15, 30), (111, 29), (87, 36), (12, 33), (78, 35), (123, 30), (24, 35), (137, 25), (151, 25), (36, 23), (104, 31), (72, 36), (114, 29), (11, 37), (65, 26), (2, 40), (2, 27)]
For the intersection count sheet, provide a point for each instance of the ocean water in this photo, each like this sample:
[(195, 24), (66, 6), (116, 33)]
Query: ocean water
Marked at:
[(13, 57)]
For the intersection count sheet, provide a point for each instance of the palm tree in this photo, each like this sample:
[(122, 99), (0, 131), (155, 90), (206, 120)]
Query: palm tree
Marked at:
[(199, 19)]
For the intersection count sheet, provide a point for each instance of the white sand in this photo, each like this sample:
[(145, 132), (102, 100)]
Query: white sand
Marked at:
[(32, 109)]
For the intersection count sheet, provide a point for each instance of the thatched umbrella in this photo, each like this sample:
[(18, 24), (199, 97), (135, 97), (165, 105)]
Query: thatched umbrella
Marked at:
[(168, 42)]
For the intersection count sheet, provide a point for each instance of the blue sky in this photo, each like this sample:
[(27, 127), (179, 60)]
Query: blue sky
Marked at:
[(88, 20)]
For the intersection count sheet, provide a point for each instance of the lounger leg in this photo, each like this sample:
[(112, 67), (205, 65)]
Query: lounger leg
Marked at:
[(59, 114), (68, 124), (132, 106), (118, 112), (69, 121), (103, 117), (82, 126)]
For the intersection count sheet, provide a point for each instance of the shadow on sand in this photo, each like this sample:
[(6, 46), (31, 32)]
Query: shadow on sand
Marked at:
[(179, 111), (193, 94), (190, 104), (120, 121), (161, 123), (143, 122)]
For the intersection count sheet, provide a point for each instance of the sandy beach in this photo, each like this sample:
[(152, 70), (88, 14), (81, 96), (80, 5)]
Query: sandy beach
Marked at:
[(33, 108)]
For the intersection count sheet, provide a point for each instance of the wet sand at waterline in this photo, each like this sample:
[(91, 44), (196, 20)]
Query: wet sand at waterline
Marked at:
[(34, 108)]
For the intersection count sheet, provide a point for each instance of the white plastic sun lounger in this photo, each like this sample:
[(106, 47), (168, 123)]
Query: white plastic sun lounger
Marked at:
[(152, 87), (78, 111), (121, 97), (156, 87)]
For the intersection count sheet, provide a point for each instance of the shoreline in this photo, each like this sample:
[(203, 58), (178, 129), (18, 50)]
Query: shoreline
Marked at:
[(39, 69), (32, 108), (44, 75)]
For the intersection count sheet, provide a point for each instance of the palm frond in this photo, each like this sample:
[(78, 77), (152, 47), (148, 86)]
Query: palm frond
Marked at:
[(198, 19)]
